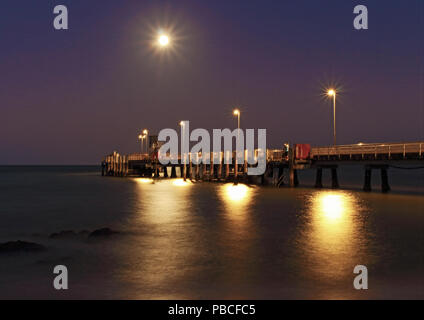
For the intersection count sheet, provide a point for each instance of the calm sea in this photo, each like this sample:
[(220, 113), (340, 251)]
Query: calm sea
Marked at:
[(208, 240)]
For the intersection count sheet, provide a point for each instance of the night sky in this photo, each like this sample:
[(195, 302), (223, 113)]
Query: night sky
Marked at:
[(69, 97)]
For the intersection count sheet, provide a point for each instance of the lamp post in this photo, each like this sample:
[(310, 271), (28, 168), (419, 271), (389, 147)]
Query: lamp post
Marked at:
[(140, 137), (332, 93), (236, 112), (145, 134), (182, 153)]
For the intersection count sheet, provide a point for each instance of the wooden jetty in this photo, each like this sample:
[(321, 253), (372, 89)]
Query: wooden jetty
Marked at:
[(282, 165)]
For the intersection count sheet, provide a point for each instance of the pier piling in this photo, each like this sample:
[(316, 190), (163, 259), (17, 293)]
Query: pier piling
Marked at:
[(318, 181)]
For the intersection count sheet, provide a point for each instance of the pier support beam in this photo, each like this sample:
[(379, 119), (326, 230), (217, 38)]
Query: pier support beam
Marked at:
[(190, 167), (227, 171), (334, 178), (211, 168), (173, 172), (318, 181), (385, 187), (367, 181), (294, 180)]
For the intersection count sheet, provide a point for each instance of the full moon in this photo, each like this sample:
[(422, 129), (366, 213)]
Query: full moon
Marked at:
[(163, 40)]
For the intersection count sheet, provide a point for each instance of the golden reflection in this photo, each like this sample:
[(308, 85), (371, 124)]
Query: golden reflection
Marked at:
[(162, 233), (334, 237), (333, 207), (236, 193), (144, 180), (237, 200), (181, 183)]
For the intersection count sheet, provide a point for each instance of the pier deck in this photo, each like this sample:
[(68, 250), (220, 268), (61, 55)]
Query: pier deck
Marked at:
[(282, 164)]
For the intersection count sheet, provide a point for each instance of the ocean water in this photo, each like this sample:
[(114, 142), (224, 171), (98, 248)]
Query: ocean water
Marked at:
[(209, 240)]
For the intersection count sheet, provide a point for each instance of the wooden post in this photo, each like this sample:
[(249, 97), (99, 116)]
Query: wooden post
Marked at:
[(211, 168), (190, 174), (197, 175), (184, 173), (245, 162), (220, 165), (294, 180), (227, 166), (235, 166)]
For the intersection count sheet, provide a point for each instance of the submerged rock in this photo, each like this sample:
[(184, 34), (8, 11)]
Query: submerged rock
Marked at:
[(20, 246), (103, 232)]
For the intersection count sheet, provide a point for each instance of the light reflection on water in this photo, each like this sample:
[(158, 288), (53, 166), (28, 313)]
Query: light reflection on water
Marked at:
[(167, 243), (210, 240), (237, 200), (333, 235)]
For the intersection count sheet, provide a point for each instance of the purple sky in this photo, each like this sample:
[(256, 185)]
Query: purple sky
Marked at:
[(69, 97)]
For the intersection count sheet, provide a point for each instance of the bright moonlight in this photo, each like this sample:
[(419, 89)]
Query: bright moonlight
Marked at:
[(163, 40)]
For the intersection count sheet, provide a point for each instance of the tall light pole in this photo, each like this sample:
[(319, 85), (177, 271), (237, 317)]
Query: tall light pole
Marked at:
[(236, 112), (332, 93), (145, 133), (140, 137), (182, 155)]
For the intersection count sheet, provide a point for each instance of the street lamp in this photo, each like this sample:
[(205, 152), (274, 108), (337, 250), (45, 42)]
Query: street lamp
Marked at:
[(332, 93), (140, 137), (145, 133), (182, 142), (182, 154), (236, 112)]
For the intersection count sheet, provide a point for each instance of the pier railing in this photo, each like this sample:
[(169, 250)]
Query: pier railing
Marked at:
[(376, 150)]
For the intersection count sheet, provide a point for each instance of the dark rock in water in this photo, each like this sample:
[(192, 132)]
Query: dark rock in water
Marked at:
[(63, 234), (83, 232), (20, 246), (104, 232)]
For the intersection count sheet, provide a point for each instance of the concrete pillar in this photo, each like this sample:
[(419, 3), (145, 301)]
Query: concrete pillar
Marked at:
[(334, 179), (367, 182), (385, 187), (318, 181)]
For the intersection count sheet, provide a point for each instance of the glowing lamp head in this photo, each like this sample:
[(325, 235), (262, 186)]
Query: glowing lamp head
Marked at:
[(181, 123), (145, 132), (331, 92), (236, 112), (140, 137), (163, 40)]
